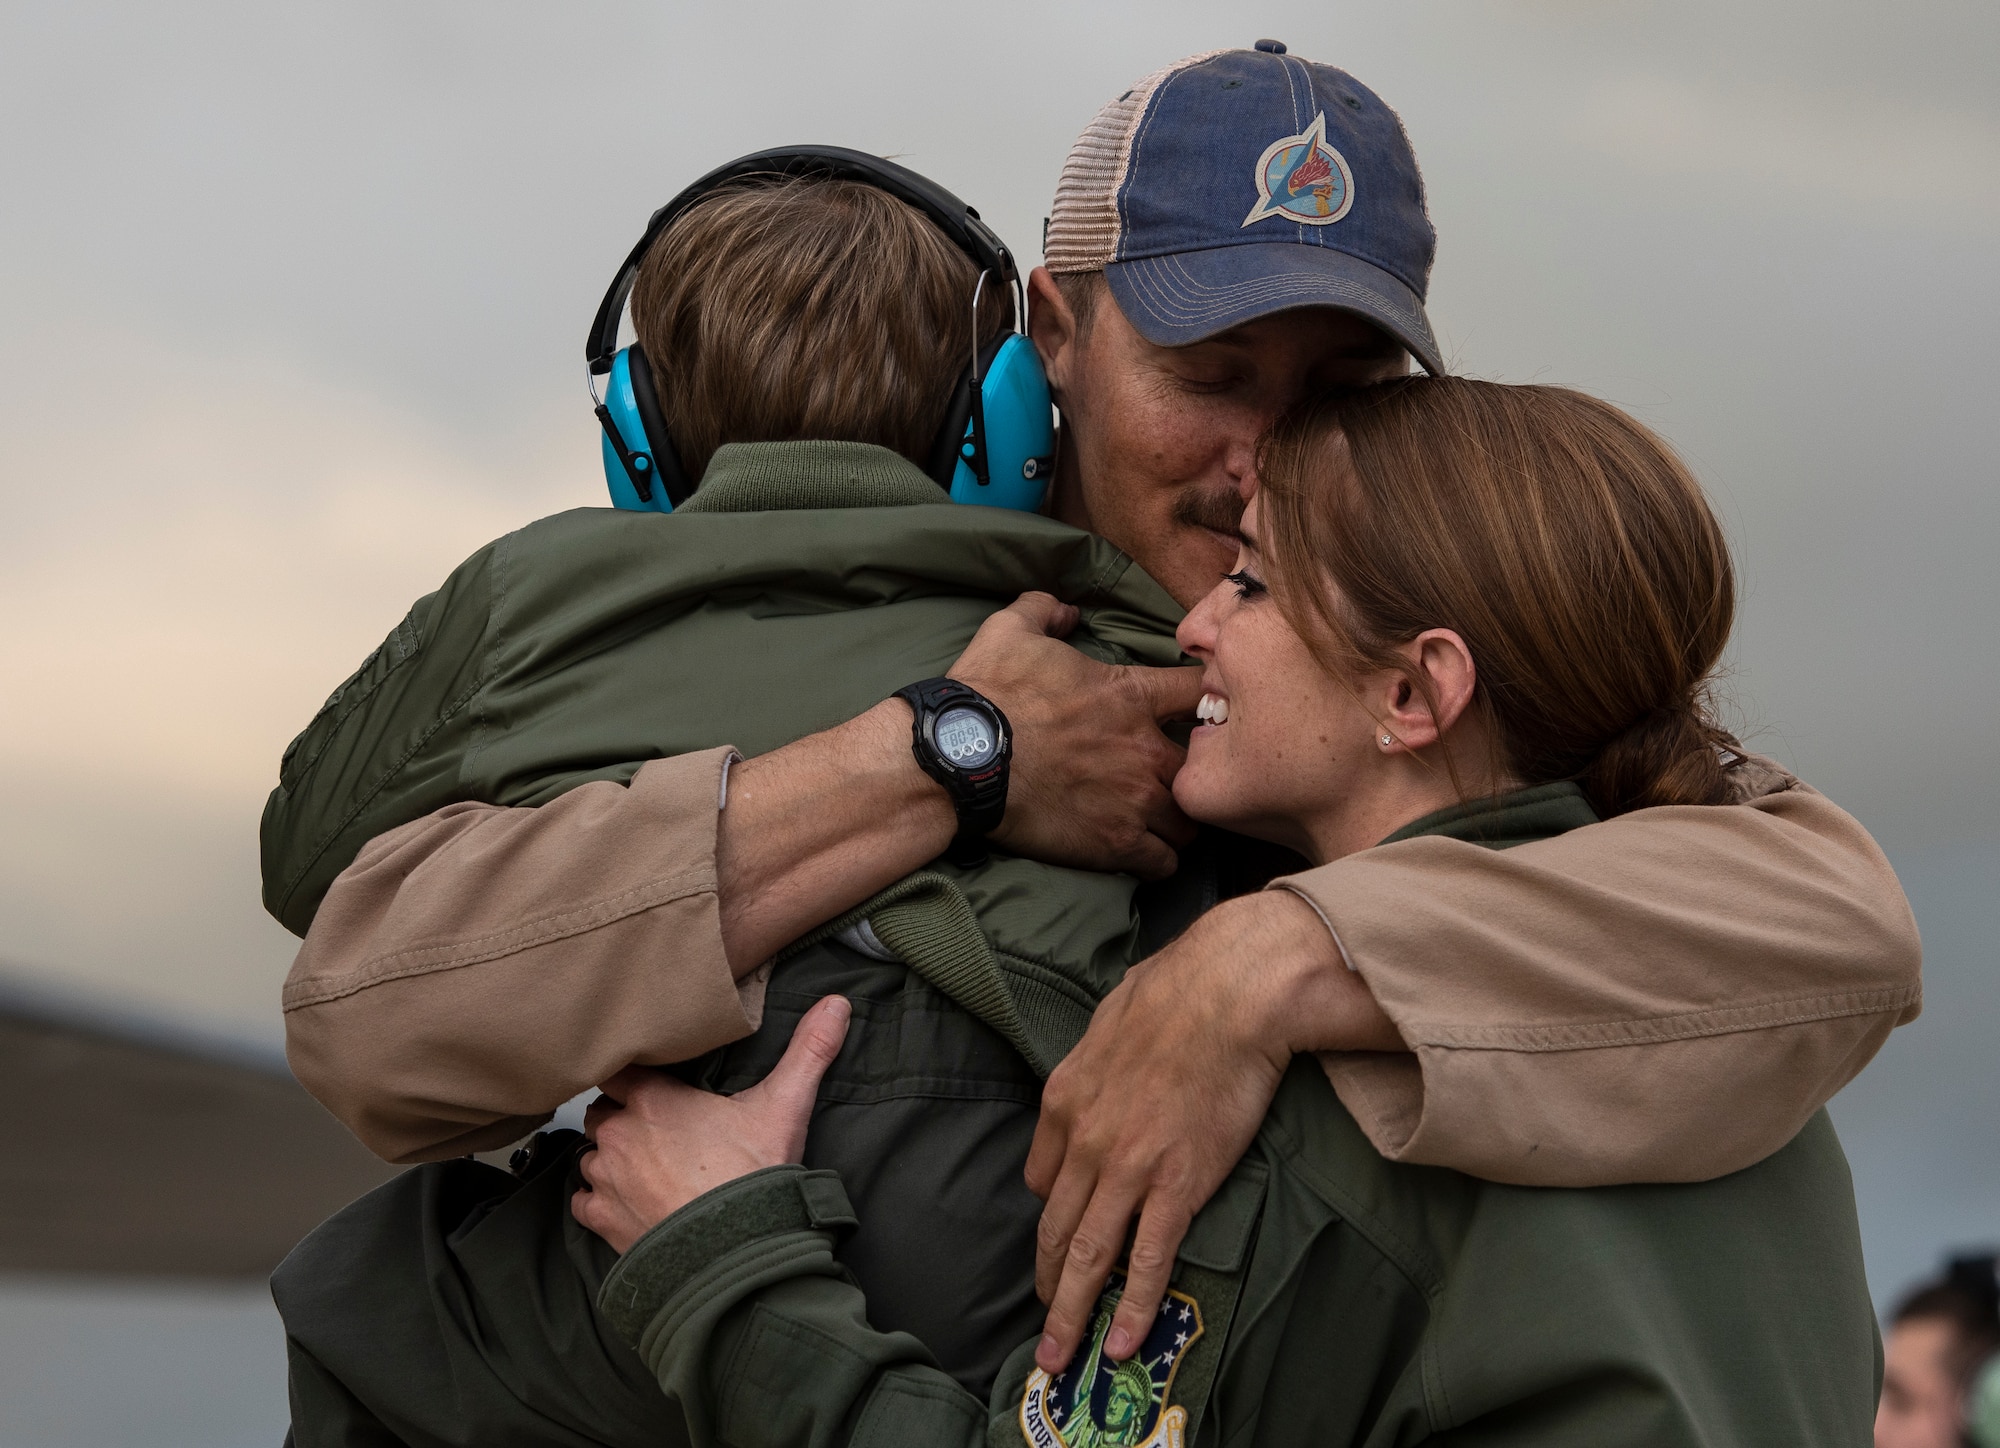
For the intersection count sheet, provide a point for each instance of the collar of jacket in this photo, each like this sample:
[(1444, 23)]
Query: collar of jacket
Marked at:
[(1539, 812), (765, 477)]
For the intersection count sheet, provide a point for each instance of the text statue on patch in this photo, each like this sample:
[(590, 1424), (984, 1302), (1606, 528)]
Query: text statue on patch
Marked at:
[(1302, 178), (1098, 1403)]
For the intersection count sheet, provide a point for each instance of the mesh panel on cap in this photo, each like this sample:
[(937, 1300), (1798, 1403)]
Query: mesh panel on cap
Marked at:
[(1083, 223)]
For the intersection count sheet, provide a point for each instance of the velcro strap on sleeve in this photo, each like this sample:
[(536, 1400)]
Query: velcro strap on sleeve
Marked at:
[(776, 1202)]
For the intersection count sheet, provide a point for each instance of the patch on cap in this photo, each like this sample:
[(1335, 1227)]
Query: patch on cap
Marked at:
[(1302, 178), (1154, 194)]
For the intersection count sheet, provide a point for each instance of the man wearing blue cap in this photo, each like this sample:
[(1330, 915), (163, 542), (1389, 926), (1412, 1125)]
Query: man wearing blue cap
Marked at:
[(1234, 231), (1324, 1295), (1224, 313), (1257, 225)]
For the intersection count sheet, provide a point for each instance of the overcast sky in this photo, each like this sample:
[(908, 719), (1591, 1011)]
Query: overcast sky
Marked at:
[(292, 302)]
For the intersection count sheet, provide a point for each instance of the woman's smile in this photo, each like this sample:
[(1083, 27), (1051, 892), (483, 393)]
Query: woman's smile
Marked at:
[(1321, 762), (1275, 772)]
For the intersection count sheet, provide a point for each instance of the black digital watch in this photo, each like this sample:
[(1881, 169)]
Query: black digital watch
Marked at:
[(963, 741)]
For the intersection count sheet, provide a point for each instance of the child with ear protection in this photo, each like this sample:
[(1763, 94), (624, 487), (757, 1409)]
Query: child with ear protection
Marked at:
[(993, 443), (824, 381)]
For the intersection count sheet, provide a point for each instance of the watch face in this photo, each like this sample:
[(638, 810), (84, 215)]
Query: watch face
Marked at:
[(967, 737)]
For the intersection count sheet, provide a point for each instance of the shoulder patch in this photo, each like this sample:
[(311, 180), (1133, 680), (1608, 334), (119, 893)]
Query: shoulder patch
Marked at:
[(1098, 1403), (1302, 178)]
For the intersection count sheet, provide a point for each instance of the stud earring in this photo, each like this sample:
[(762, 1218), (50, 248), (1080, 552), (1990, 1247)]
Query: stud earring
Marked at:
[(1387, 741)]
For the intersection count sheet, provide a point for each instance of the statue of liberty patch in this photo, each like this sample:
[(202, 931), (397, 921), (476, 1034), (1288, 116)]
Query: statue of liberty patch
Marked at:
[(1302, 178), (1098, 1403)]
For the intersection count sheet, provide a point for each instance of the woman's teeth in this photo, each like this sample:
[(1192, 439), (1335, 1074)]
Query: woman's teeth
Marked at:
[(1213, 709)]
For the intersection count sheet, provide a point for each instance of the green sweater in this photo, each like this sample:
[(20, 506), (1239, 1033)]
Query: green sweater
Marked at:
[(1325, 1296)]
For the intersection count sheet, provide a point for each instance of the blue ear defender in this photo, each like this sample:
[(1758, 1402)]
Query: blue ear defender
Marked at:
[(1012, 431), (644, 476), (996, 445)]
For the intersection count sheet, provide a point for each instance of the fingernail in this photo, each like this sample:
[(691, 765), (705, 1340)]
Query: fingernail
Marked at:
[(1048, 1356), (1119, 1344)]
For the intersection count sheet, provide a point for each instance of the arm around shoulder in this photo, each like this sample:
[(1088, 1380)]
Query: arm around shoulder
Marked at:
[(476, 968), (1665, 996), (473, 970)]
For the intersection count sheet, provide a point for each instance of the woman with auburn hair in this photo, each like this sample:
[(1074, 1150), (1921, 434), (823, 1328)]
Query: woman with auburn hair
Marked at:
[(1462, 612), (1453, 590)]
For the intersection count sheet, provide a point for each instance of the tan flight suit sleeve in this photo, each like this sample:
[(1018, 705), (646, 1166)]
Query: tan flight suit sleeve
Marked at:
[(1666, 996), (474, 969)]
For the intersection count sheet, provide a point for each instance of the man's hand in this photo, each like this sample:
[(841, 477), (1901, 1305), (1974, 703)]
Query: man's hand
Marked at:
[(824, 822), (661, 1143), (1166, 1091), (1093, 775)]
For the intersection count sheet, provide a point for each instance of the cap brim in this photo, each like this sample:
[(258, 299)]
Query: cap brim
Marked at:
[(1192, 295)]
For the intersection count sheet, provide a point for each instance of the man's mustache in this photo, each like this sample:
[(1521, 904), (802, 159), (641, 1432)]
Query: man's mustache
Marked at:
[(1218, 509)]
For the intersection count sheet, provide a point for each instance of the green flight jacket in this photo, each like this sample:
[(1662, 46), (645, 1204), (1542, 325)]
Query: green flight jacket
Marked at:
[(802, 584), (1325, 1296)]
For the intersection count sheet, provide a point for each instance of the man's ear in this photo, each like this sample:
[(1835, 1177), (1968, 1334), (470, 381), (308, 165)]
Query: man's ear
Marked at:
[(1439, 659), (1052, 328)]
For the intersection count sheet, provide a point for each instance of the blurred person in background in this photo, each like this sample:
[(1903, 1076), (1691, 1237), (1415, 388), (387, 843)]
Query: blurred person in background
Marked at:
[(1941, 1362)]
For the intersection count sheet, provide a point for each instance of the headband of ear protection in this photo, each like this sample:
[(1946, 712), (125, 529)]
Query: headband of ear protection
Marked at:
[(996, 443)]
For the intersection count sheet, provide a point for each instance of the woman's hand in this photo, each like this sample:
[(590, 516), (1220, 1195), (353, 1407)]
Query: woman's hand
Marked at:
[(661, 1143), (1166, 1091)]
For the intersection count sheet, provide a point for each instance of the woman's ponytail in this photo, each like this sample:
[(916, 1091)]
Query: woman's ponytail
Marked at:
[(1670, 756)]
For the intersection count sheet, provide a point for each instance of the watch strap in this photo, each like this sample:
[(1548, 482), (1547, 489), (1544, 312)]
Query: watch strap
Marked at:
[(978, 797)]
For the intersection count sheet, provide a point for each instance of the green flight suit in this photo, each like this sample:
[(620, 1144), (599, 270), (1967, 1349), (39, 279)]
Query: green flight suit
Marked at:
[(802, 584), (1326, 1296)]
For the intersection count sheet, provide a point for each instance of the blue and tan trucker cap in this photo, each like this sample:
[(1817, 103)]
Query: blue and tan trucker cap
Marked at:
[(1243, 182)]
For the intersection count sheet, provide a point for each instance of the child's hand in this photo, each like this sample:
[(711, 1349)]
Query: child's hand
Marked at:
[(661, 1143)]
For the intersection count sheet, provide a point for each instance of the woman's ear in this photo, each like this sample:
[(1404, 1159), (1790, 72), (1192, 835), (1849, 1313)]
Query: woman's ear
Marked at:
[(1439, 659), (1052, 328)]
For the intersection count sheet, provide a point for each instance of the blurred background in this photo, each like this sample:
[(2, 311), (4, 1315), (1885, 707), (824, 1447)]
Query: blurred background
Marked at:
[(292, 302)]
